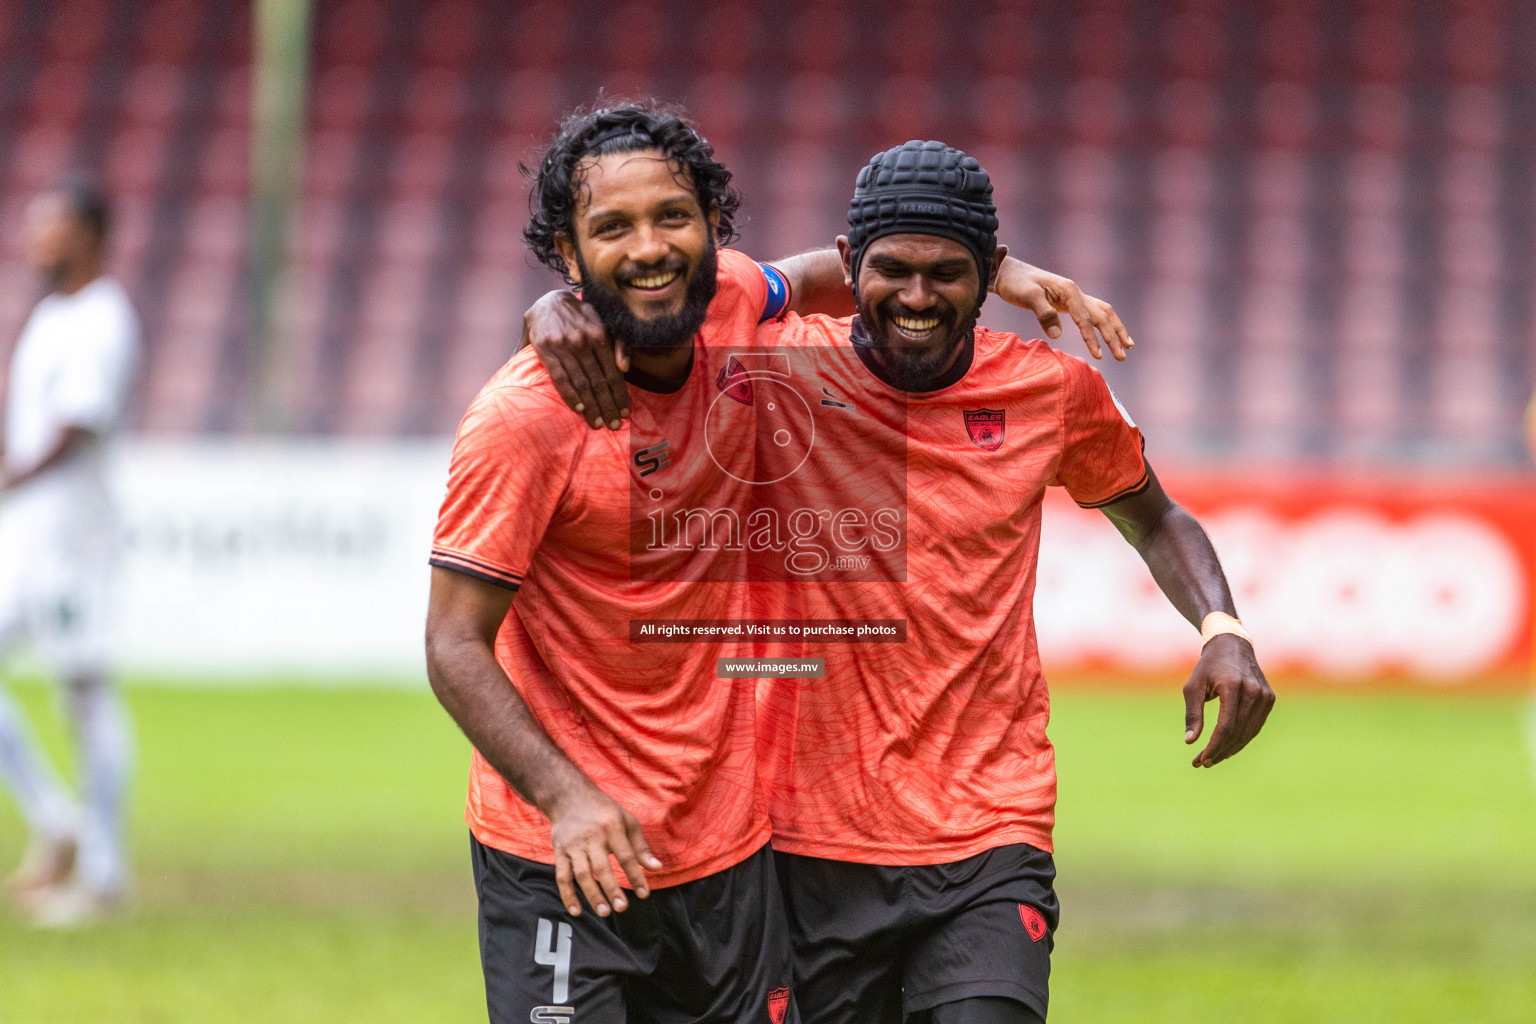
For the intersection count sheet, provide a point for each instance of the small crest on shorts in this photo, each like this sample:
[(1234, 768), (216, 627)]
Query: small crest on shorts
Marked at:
[(733, 380), (985, 427), (778, 1002), (1034, 922)]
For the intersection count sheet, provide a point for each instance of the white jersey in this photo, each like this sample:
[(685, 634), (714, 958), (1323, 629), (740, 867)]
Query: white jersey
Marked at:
[(73, 367)]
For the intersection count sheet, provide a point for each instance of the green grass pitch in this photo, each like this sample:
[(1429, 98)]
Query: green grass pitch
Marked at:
[(301, 858)]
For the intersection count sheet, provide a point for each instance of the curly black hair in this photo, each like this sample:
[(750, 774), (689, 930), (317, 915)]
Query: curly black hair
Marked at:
[(621, 128)]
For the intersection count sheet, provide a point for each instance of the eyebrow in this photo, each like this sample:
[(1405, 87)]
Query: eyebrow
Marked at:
[(956, 263), (598, 214)]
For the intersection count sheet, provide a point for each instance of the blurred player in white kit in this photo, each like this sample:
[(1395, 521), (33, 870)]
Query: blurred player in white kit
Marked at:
[(69, 382)]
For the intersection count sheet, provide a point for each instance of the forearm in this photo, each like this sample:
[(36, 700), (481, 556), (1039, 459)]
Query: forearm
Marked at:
[(817, 283), (477, 694), (69, 440), (1182, 561)]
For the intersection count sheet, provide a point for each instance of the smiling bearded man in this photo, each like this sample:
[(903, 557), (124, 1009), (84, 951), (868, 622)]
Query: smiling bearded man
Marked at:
[(912, 788), (610, 775)]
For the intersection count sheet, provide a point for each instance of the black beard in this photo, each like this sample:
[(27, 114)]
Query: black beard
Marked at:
[(902, 367), (660, 332)]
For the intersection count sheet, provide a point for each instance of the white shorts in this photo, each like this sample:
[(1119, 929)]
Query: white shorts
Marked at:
[(54, 598)]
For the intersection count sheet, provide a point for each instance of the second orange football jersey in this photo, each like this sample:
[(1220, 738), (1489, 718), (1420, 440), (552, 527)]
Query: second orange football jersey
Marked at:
[(932, 749)]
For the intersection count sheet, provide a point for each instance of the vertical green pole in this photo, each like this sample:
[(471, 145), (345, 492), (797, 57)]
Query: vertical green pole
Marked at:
[(281, 71)]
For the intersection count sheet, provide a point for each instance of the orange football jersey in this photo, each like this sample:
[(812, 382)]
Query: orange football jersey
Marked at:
[(933, 749), (540, 502)]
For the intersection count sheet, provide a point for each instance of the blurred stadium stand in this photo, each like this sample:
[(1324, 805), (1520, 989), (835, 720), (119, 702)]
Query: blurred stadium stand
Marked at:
[(1318, 218)]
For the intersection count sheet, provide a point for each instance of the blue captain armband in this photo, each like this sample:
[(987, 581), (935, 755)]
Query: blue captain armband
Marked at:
[(778, 293)]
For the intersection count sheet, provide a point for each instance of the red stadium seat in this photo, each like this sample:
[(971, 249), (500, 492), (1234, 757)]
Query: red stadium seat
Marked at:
[(729, 39), (58, 94), (351, 33), (421, 164), (908, 107), (77, 30), (329, 159), (1002, 110), (448, 34), (820, 39), (217, 229), (435, 100), (1271, 164), (226, 163), (340, 96), (540, 37), (168, 31)]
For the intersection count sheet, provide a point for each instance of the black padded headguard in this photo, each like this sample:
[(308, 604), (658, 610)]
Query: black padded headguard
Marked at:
[(924, 188)]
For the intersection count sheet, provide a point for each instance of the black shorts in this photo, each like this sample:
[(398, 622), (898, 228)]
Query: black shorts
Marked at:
[(711, 951), (875, 944)]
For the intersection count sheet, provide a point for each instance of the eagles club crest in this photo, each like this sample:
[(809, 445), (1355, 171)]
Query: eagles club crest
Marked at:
[(733, 380), (1034, 921), (985, 427), (778, 1002)]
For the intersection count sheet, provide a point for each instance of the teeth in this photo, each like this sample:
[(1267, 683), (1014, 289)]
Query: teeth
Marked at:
[(916, 326), (654, 280)]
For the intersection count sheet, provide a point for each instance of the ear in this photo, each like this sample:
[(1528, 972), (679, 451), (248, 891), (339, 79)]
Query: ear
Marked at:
[(845, 251), (714, 218), (998, 256), (567, 253)]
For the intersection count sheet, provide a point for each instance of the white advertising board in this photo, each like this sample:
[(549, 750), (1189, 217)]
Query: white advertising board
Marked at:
[(250, 559), (306, 561)]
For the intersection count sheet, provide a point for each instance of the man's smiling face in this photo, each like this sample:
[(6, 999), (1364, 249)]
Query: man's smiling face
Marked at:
[(644, 251), (917, 302)]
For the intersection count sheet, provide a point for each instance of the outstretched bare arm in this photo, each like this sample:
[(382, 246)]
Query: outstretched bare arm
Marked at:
[(1185, 566)]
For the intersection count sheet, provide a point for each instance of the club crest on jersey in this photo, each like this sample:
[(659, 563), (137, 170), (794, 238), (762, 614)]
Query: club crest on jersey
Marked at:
[(778, 1002), (1034, 922), (986, 428), (733, 380)]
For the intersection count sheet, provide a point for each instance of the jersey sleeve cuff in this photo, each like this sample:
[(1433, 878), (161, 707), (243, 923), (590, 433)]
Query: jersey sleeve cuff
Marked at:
[(1129, 492), (458, 562), (1142, 483)]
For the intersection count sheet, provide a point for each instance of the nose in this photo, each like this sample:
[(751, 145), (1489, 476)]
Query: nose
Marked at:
[(917, 294), (648, 245)]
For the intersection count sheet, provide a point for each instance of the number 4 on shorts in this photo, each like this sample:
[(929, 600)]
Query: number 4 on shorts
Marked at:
[(556, 954)]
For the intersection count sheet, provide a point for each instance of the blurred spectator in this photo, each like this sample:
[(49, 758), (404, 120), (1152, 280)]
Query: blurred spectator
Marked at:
[(69, 382)]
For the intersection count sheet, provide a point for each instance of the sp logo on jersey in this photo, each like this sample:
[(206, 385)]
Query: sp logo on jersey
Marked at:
[(778, 1002), (649, 460), (1034, 922), (986, 428)]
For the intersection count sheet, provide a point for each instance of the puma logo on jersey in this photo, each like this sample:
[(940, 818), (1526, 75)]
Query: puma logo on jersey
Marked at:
[(832, 402), (651, 459)]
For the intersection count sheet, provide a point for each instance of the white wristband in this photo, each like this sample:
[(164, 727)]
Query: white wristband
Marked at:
[(1218, 623)]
